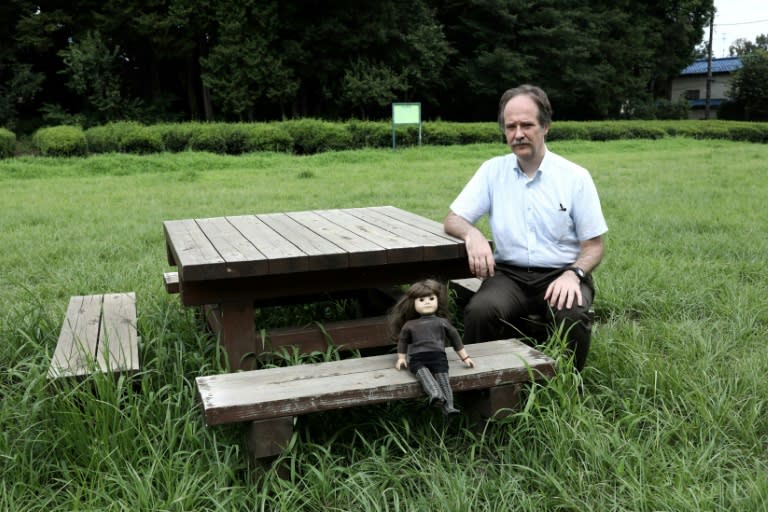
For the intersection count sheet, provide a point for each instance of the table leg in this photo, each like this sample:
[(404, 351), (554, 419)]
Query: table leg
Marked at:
[(234, 325)]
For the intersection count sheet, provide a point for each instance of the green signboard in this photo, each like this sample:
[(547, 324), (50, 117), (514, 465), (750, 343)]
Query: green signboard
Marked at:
[(405, 113)]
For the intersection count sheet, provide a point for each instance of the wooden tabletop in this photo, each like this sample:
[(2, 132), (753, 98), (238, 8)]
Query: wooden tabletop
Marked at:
[(280, 243), (324, 247)]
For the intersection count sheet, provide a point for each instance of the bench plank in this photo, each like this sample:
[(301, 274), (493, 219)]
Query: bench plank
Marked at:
[(302, 389), (118, 347), (78, 338), (99, 332)]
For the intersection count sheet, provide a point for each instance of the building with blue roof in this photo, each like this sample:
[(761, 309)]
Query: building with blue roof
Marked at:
[(691, 85)]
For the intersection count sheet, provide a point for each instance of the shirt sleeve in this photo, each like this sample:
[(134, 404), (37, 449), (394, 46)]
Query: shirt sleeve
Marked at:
[(404, 339), (474, 200)]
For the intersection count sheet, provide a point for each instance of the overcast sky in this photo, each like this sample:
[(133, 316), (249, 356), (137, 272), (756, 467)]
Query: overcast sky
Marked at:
[(737, 19)]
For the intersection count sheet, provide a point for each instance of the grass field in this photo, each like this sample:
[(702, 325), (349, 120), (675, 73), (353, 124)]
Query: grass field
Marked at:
[(674, 413)]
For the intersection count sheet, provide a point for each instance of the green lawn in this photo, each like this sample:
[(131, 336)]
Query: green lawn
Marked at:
[(674, 413)]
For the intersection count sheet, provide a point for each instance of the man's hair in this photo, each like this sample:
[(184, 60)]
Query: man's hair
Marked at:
[(539, 97)]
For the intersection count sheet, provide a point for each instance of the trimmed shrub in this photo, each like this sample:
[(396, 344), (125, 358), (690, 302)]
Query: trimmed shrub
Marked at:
[(7, 143), (60, 141), (315, 136), (567, 130), (176, 136), (370, 134), (748, 133), (101, 139), (124, 137), (208, 137), (643, 130), (597, 130), (267, 137), (446, 133)]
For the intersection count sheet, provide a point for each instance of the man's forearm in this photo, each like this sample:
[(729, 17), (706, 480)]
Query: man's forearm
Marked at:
[(591, 254)]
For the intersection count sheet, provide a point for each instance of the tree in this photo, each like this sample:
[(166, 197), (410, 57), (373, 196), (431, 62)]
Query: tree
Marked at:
[(93, 72), (244, 67), (742, 46), (749, 87)]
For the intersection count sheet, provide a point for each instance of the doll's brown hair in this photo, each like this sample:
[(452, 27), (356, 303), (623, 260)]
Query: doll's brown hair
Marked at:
[(404, 309)]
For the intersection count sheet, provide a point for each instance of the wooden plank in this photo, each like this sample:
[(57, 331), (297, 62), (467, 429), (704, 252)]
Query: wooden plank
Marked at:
[(282, 256), (433, 246), (361, 251), (357, 334), (171, 282), (196, 257), (398, 250), (418, 221), (118, 348), (277, 392), (75, 351), (240, 256), (322, 254)]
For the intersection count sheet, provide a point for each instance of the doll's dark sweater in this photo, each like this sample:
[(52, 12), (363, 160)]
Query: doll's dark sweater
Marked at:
[(428, 333)]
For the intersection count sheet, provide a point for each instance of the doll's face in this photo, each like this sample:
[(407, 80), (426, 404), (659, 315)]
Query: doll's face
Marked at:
[(426, 305)]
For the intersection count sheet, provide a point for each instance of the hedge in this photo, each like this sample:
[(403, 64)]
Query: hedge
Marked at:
[(60, 141), (7, 143), (308, 136)]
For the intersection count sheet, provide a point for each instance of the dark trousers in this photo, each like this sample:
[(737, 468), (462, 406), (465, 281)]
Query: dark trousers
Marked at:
[(498, 309)]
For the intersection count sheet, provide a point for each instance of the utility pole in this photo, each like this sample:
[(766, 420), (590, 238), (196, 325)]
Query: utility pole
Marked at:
[(709, 66)]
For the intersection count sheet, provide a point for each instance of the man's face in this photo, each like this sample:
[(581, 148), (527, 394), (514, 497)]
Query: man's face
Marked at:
[(525, 136), (426, 305)]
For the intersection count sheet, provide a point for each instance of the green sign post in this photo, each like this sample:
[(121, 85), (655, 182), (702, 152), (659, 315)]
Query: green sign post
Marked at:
[(404, 114)]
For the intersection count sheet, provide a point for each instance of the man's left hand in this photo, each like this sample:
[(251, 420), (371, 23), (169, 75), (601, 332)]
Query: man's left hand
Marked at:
[(562, 291)]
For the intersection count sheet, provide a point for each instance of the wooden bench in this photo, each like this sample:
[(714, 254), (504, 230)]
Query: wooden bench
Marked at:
[(270, 399), (99, 335)]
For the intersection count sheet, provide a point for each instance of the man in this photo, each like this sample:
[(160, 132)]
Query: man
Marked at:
[(547, 227)]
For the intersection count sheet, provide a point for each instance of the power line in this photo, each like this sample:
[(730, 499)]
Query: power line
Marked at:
[(740, 23)]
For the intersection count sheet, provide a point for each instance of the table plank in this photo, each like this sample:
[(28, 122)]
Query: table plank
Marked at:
[(240, 256), (322, 253), (282, 256), (361, 250), (398, 250), (196, 257), (434, 246)]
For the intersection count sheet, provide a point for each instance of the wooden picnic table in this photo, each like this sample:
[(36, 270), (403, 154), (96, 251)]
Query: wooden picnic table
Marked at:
[(233, 264)]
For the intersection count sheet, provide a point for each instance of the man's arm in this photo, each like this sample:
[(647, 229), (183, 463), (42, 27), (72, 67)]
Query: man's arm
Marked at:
[(566, 289), (479, 253)]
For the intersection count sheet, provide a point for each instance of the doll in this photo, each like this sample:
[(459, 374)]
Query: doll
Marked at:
[(418, 322)]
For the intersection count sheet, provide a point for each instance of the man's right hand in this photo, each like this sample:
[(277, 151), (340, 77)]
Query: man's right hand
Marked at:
[(481, 262)]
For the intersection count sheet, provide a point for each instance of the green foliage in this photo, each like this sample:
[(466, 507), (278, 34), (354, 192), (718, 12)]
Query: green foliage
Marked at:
[(442, 133), (315, 136), (61, 141), (93, 72), (568, 130), (125, 137), (7, 143), (370, 134), (749, 87)]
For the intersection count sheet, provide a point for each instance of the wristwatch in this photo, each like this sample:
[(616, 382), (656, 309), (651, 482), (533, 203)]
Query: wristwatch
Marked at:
[(579, 273)]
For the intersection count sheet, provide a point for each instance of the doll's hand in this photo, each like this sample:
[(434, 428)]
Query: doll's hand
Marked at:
[(469, 363), (401, 363)]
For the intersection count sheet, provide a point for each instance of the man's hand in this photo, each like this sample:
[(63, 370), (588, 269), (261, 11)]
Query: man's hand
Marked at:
[(481, 262), (562, 291)]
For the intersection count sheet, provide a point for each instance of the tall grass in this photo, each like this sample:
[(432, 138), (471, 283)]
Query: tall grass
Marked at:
[(673, 412)]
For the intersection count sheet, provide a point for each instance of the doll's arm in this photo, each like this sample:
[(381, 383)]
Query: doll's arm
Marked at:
[(468, 362), (401, 362)]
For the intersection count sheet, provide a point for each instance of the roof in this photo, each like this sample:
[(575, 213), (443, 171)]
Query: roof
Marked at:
[(725, 65)]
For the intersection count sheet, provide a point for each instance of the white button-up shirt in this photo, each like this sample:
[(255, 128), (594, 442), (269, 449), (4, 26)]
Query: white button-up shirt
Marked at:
[(535, 222)]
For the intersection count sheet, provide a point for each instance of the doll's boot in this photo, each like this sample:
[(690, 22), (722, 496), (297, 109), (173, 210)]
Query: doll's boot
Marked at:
[(430, 386), (445, 387)]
